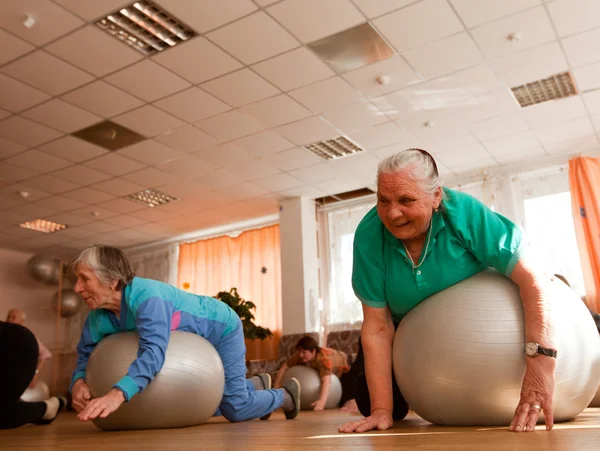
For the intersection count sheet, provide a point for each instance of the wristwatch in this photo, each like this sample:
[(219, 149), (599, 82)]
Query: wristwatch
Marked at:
[(533, 349)]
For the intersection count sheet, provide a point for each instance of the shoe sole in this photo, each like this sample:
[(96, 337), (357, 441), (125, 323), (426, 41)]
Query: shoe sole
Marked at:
[(293, 414), (267, 383)]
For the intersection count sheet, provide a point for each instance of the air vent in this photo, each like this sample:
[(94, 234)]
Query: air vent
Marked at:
[(556, 87), (357, 193), (151, 198), (43, 225), (333, 148), (109, 135), (146, 27)]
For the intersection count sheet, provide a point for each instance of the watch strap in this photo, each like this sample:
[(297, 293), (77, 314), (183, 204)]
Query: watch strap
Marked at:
[(547, 351)]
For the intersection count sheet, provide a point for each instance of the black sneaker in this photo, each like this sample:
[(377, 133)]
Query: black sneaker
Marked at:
[(267, 382), (293, 388)]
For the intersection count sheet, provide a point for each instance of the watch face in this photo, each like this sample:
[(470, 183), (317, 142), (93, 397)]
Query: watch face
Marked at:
[(531, 348)]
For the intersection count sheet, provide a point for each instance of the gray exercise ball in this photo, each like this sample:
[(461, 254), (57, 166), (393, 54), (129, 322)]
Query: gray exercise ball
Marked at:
[(44, 269), (186, 392), (459, 356), (70, 302), (596, 401), (310, 386), (40, 392)]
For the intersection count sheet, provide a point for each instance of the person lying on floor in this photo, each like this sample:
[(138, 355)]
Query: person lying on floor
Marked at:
[(121, 302), (326, 361)]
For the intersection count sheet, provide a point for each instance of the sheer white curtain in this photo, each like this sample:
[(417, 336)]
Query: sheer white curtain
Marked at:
[(158, 263)]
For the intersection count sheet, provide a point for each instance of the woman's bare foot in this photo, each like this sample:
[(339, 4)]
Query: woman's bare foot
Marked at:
[(350, 406)]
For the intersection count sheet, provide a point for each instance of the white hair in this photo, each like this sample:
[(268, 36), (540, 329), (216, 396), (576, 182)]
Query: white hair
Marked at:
[(108, 263), (420, 165)]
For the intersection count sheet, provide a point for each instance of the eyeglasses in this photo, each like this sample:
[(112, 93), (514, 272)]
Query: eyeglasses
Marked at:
[(427, 154)]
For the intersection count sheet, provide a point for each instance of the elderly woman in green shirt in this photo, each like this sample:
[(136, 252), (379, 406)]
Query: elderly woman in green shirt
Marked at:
[(420, 239)]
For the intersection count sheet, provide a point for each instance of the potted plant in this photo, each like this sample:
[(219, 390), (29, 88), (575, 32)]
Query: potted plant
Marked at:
[(244, 309)]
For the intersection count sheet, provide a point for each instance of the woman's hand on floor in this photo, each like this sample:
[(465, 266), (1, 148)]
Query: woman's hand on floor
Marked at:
[(81, 395), (103, 406), (379, 420)]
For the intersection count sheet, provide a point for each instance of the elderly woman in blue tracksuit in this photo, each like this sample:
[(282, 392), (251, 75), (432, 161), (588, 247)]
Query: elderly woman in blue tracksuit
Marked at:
[(120, 302)]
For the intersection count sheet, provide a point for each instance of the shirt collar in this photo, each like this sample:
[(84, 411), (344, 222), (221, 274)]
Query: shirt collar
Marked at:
[(437, 224)]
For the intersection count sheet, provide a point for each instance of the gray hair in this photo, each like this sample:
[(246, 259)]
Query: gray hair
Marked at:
[(108, 263), (418, 163)]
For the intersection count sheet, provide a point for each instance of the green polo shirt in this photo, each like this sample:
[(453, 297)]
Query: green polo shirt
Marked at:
[(466, 238)]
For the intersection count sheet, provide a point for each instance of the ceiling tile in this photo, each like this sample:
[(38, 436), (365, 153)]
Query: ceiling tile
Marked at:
[(279, 182), (119, 187), (92, 10), (149, 121), (526, 155), (94, 51), (100, 227), (253, 170), (103, 99), (72, 149), (231, 125), (16, 96), (14, 192), (51, 184), (588, 77), (566, 131), (15, 173), (150, 177), (291, 159), (192, 105), (148, 80), (88, 195), (125, 221), (24, 131), (152, 214), (217, 179), (444, 56), (64, 77), (419, 24), (375, 8), (326, 95), (120, 205), (574, 16), (9, 148), (205, 15), (240, 88), (498, 126), (488, 105), (293, 69), (583, 48), (60, 203), (359, 163), (263, 143), (190, 59), (74, 233), (476, 12), (592, 100), (263, 3), (33, 210), (253, 38), (554, 111), (398, 73), (38, 161), (337, 186), (150, 152), (62, 116), (12, 47), (187, 139), (393, 149), (189, 190), (355, 117), (81, 175), (51, 21), (533, 24), (113, 164), (310, 20), (380, 136), (307, 131), (224, 155), (316, 173), (596, 120), (531, 65), (512, 143), (70, 219), (276, 111), (4, 114), (186, 166), (474, 167), (302, 191)]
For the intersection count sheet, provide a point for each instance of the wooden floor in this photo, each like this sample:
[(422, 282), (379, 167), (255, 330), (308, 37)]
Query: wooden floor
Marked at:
[(310, 430)]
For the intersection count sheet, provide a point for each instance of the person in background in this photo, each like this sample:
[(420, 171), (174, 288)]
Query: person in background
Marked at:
[(326, 361), (19, 356), (17, 316)]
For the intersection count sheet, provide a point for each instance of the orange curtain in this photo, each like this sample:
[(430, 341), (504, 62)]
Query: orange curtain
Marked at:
[(584, 180), (251, 263)]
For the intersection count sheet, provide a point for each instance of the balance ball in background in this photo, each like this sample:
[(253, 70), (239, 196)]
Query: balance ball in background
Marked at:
[(596, 401), (186, 392), (310, 386), (459, 356), (40, 392), (70, 303), (44, 269)]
